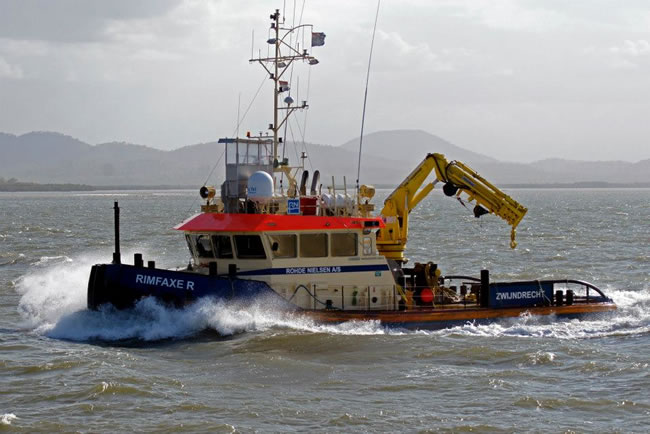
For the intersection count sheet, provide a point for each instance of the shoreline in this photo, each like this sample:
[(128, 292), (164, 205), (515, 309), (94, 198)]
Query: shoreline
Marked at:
[(18, 187)]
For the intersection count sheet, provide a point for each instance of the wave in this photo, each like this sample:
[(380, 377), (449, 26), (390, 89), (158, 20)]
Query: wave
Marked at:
[(47, 260), (42, 229), (631, 318), (53, 304), (6, 418), (11, 258)]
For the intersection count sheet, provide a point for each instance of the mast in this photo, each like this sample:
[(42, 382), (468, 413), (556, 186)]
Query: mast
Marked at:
[(276, 67), (276, 78)]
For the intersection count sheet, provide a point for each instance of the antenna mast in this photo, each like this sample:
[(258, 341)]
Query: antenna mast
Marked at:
[(276, 66), (365, 98)]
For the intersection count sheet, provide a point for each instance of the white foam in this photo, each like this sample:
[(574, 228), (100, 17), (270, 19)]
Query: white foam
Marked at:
[(54, 291), (6, 418), (631, 318), (46, 260), (541, 357), (53, 303), (149, 320)]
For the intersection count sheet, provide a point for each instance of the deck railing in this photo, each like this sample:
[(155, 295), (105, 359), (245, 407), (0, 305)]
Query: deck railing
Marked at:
[(581, 290), (467, 295)]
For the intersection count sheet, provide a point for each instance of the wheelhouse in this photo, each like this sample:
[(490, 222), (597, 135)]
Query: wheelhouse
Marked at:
[(227, 247)]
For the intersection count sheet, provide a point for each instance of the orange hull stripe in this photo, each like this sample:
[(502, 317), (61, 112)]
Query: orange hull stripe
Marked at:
[(452, 315)]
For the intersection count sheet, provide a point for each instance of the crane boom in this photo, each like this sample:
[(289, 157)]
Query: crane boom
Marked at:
[(458, 178)]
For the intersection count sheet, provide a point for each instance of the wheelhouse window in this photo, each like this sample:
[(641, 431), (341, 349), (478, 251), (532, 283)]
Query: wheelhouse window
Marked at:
[(190, 244), (313, 245), (222, 246), (283, 246), (231, 153), (203, 246), (249, 247), (344, 244)]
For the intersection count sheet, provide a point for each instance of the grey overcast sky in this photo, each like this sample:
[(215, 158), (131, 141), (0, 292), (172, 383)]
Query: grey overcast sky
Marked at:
[(516, 80)]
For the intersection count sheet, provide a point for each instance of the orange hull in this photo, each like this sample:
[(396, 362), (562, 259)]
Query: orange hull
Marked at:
[(451, 315)]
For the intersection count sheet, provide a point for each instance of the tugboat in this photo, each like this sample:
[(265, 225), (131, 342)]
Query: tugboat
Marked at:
[(320, 251)]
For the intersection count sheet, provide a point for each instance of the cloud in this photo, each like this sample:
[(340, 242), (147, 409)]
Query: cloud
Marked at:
[(72, 20), (170, 72), (512, 15), (395, 52), (632, 48), (629, 55), (10, 71)]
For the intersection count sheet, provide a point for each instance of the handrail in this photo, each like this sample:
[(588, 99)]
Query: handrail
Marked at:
[(579, 282), (459, 277), (551, 281)]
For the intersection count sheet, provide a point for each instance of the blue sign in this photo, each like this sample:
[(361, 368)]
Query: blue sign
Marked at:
[(520, 294), (293, 206)]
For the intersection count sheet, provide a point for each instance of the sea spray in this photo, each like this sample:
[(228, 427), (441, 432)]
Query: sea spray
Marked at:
[(7, 418), (631, 318), (51, 292), (53, 304)]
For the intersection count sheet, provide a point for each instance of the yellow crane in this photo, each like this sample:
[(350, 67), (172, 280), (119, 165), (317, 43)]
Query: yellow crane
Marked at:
[(458, 178)]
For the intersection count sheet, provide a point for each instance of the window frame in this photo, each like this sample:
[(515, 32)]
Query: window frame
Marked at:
[(327, 244), (271, 241), (215, 250), (190, 244), (196, 242), (235, 237), (346, 234)]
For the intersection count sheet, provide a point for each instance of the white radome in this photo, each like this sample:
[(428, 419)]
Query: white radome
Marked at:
[(260, 187)]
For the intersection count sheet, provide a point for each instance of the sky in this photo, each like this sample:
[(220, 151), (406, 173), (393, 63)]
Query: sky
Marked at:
[(515, 80)]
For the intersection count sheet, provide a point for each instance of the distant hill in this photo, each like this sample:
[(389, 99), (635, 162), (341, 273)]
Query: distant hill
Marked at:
[(39, 147), (406, 145), (608, 171), (14, 185), (388, 156), (47, 157)]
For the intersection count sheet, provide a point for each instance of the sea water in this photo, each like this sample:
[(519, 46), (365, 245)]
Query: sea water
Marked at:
[(212, 367)]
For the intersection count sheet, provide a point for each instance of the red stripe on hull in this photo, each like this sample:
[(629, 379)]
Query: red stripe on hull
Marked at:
[(221, 222)]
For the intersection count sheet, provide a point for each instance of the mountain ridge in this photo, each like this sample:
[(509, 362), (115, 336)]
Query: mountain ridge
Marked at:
[(383, 143), (388, 157)]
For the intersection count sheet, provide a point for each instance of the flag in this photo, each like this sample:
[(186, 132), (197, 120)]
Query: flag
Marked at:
[(317, 39), (284, 86)]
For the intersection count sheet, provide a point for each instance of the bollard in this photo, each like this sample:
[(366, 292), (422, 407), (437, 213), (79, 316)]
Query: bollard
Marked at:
[(116, 223), (569, 297), (485, 288)]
